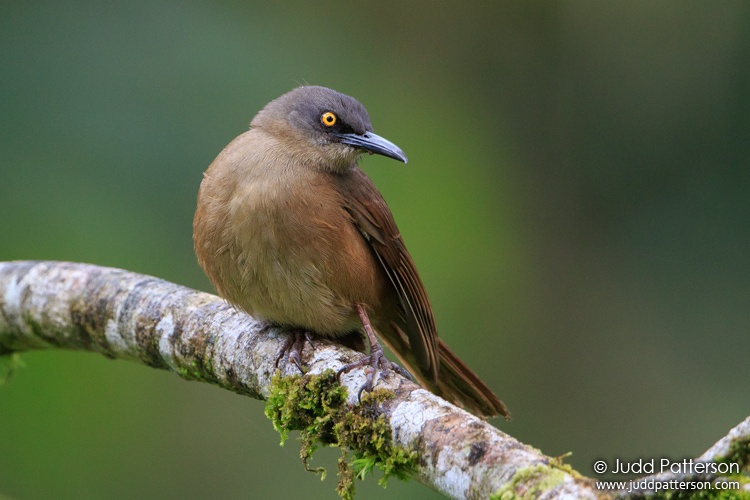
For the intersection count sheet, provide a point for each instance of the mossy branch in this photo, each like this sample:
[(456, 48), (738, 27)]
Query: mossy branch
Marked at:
[(402, 428)]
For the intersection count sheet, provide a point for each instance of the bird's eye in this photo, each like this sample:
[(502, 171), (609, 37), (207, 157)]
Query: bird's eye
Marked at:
[(328, 119)]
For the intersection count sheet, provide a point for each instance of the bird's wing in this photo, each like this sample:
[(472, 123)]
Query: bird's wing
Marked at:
[(372, 216)]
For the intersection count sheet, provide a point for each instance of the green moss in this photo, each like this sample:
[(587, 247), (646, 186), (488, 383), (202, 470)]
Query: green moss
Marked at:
[(316, 406), (530, 482), (739, 453), (199, 369), (9, 363)]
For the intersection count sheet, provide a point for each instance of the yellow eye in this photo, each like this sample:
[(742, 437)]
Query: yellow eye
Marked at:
[(328, 119)]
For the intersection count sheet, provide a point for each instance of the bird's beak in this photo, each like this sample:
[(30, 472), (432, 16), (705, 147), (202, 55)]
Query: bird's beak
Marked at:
[(373, 143)]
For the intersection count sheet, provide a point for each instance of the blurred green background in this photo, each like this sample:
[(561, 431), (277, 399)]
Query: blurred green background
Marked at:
[(577, 200)]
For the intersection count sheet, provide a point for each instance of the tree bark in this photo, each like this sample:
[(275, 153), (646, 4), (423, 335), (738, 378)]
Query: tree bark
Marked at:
[(126, 315)]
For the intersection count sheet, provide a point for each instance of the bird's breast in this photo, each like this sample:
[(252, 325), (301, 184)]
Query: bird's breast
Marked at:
[(289, 252)]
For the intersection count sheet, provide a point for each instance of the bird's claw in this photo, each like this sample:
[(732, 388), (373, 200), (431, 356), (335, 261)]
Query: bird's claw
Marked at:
[(373, 363), (293, 347), (369, 384)]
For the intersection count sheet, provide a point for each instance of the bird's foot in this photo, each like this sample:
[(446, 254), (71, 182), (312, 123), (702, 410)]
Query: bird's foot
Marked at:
[(374, 362), (293, 347)]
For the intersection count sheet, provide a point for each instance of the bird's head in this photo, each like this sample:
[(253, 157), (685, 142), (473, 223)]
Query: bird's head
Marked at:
[(329, 129)]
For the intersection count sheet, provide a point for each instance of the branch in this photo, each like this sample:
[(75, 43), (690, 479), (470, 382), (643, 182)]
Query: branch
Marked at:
[(124, 315), (732, 451)]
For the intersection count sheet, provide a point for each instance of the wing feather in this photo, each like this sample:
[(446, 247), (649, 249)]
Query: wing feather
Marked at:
[(372, 216)]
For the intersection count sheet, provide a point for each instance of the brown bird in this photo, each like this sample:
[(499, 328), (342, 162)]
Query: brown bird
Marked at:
[(289, 229)]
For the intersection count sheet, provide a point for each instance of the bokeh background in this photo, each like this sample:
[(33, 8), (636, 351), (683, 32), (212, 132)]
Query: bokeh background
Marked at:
[(577, 202)]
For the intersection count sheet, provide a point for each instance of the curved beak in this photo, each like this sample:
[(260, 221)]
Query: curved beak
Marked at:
[(374, 144)]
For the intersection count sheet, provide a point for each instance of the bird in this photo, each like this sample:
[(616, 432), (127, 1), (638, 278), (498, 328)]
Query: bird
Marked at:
[(289, 229)]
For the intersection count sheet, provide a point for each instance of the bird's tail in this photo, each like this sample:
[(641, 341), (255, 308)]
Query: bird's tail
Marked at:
[(456, 382)]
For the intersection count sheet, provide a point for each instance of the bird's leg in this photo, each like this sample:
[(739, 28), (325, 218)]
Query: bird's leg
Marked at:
[(293, 347), (375, 361)]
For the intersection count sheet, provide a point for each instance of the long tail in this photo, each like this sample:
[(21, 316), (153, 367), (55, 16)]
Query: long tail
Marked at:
[(456, 382)]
